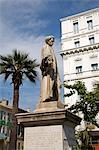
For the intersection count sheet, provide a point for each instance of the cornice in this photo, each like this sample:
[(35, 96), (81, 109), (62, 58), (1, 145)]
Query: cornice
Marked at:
[(91, 11), (59, 116), (5, 107), (79, 50)]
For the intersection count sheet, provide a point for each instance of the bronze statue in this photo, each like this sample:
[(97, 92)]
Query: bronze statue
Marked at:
[(50, 77)]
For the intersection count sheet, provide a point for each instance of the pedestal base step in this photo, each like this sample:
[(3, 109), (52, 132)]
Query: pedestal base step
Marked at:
[(49, 106)]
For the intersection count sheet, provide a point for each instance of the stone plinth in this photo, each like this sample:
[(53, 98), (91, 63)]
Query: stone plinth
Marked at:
[(49, 106), (50, 130)]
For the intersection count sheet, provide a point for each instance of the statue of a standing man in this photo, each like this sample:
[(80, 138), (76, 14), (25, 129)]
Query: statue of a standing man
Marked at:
[(50, 76)]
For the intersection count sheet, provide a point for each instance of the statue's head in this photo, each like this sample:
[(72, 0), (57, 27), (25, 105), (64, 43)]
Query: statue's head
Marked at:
[(50, 40)]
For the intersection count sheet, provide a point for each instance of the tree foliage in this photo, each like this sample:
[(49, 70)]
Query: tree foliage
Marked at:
[(88, 102), (18, 66), (84, 140)]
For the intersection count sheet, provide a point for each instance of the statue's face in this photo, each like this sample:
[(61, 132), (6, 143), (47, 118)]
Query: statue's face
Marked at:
[(50, 42)]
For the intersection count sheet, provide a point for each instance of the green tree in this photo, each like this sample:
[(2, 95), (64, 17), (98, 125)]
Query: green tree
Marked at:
[(88, 102), (17, 66), (88, 105), (85, 140)]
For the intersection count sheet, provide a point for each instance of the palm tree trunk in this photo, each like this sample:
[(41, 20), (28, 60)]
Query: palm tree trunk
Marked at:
[(13, 135)]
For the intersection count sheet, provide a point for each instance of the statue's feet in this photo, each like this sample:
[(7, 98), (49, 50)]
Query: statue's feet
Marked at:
[(50, 99)]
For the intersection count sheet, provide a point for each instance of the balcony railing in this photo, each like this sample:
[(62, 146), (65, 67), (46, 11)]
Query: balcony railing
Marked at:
[(82, 75)]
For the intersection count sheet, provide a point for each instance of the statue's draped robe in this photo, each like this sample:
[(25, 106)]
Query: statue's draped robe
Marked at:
[(50, 77)]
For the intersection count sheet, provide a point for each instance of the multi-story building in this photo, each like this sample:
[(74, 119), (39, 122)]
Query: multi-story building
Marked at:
[(6, 125), (80, 49), (80, 53)]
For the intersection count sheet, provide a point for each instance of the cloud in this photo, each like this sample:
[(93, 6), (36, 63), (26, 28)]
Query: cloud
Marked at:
[(13, 36), (15, 25), (24, 25), (25, 13), (29, 43), (20, 30), (29, 94), (10, 39), (17, 31)]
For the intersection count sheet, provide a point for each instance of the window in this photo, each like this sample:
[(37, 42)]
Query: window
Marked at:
[(18, 146), (77, 44), (9, 116), (92, 40), (94, 66), (75, 27), (79, 69), (22, 147), (90, 24), (1, 115), (3, 129)]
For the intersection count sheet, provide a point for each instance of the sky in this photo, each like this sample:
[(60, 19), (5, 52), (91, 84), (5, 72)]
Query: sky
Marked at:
[(24, 24)]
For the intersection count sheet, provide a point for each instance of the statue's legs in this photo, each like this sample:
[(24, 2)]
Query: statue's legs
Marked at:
[(46, 88)]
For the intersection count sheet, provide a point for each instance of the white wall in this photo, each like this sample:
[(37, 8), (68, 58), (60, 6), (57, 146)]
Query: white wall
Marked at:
[(84, 59), (88, 76), (68, 36)]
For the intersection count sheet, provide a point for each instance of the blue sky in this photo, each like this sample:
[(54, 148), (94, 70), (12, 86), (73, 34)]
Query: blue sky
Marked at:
[(23, 26)]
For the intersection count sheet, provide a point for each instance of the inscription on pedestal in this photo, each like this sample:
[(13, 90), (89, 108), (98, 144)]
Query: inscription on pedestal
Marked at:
[(43, 138)]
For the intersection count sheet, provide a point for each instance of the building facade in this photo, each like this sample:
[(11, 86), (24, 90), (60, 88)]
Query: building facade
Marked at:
[(80, 50), (80, 53), (6, 125)]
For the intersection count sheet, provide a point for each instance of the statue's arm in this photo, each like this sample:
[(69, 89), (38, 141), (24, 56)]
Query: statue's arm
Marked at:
[(49, 60)]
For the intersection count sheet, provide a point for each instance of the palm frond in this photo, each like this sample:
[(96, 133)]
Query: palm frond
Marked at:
[(7, 74), (18, 64), (31, 77)]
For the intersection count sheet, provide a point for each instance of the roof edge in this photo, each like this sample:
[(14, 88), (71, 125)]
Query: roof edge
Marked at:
[(80, 14)]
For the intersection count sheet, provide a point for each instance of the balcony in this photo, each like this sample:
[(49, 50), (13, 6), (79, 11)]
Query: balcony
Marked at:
[(82, 75)]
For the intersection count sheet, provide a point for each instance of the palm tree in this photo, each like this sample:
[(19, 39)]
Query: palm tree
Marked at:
[(18, 65)]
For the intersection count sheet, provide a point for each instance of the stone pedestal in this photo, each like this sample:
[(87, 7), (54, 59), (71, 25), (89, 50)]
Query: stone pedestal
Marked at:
[(49, 106), (49, 130)]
